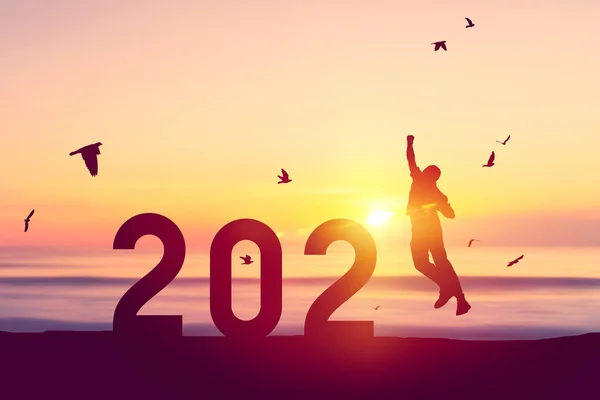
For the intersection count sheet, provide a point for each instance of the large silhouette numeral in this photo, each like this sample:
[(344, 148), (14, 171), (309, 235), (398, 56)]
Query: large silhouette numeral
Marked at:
[(317, 322), (125, 319), (270, 279)]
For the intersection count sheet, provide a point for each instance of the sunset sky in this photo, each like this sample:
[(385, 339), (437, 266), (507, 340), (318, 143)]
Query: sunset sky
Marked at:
[(199, 104)]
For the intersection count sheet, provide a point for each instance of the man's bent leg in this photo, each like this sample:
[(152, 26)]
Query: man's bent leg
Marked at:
[(448, 277), (450, 284), (420, 256)]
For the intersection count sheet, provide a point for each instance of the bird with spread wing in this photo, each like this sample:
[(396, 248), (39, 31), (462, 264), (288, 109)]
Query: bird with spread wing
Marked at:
[(284, 177), (490, 162), (247, 260), (516, 260), (440, 45), (90, 156), (28, 219), (504, 143)]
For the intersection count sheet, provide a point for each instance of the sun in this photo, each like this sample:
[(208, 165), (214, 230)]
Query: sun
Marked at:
[(379, 217)]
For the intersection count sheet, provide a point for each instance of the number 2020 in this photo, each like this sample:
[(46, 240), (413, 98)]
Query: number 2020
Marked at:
[(317, 324)]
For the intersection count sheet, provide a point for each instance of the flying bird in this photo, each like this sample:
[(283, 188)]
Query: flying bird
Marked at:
[(471, 242), (28, 219), (90, 156), (285, 178), (516, 260), (376, 308), (490, 162), (471, 24), (504, 143), (441, 44), (247, 260)]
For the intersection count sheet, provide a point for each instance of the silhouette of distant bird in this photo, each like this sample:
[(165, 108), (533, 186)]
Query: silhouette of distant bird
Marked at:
[(247, 260), (471, 24), (516, 260), (285, 178), (90, 156), (441, 44), (376, 308), (28, 219), (490, 162), (504, 143), (471, 242)]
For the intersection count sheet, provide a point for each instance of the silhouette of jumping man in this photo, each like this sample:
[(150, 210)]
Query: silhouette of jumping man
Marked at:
[(424, 201)]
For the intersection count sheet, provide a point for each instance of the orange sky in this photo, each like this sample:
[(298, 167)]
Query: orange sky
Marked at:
[(199, 104)]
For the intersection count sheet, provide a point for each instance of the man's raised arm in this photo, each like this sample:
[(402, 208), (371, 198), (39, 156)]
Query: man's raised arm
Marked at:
[(410, 155)]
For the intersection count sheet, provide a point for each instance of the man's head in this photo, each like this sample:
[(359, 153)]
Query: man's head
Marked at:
[(432, 173)]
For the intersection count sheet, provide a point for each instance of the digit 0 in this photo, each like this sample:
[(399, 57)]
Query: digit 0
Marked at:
[(270, 279)]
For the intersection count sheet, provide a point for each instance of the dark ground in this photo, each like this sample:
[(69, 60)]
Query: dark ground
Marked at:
[(86, 365)]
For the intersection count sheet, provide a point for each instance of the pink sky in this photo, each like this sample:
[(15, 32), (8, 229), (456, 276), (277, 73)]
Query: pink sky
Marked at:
[(199, 105)]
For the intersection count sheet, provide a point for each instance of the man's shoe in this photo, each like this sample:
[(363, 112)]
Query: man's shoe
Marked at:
[(443, 299), (462, 306)]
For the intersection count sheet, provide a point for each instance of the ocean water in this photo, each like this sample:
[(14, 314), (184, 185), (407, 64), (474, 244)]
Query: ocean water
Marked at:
[(551, 292)]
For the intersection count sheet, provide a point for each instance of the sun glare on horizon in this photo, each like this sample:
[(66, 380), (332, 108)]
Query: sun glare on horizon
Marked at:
[(379, 217)]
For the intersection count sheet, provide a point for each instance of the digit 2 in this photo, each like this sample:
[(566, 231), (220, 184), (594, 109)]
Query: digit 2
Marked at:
[(317, 322), (125, 318), (270, 279)]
